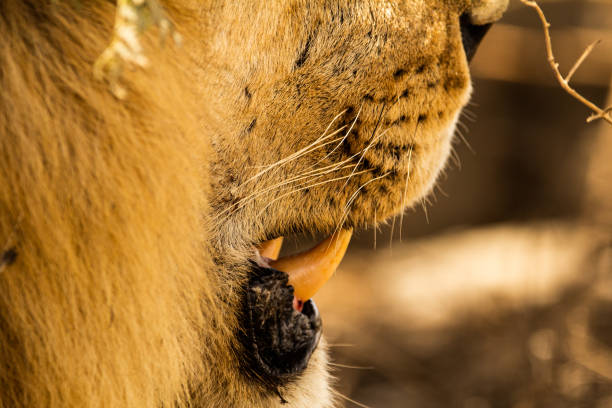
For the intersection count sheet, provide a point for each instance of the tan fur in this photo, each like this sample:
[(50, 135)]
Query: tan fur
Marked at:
[(112, 213)]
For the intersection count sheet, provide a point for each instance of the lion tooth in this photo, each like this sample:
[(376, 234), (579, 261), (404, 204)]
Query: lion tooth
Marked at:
[(309, 270), (270, 249)]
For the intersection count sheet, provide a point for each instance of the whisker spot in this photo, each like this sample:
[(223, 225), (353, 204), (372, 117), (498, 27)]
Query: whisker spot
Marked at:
[(301, 59), (249, 129), (8, 257), (399, 74)]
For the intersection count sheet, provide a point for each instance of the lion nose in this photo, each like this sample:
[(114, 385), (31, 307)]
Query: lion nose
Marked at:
[(476, 22), (471, 35)]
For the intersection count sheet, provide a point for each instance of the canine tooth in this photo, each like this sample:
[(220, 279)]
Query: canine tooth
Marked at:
[(309, 270), (270, 249)]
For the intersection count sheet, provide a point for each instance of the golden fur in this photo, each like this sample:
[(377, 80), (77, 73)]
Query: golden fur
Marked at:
[(126, 226)]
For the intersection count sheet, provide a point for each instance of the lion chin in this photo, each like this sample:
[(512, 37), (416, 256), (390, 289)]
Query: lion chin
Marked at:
[(140, 236)]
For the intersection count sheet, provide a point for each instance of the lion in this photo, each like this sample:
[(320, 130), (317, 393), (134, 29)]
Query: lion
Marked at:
[(139, 236)]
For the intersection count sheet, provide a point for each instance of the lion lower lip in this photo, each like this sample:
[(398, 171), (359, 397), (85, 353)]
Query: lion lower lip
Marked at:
[(279, 339), (309, 270), (283, 324)]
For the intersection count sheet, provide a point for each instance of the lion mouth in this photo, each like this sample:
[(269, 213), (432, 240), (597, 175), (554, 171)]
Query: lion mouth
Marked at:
[(283, 326)]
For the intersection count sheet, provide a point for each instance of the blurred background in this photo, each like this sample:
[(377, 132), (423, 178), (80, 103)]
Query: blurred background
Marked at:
[(497, 291)]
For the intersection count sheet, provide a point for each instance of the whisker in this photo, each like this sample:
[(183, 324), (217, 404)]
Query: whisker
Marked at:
[(416, 128), (300, 152), (363, 152), (441, 190), (455, 157), (307, 187), (372, 138), (352, 199), (359, 404), (392, 232), (339, 140), (375, 228), (405, 193), (348, 132), (291, 157), (465, 127), (434, 196), (469, 115), (425, 210), (316, 173), (352, 367), (464, 140)]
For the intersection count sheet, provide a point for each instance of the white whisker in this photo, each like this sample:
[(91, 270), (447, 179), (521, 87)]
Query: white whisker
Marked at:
[(469, 115), (340, 345), (312, 174), (405, 191), (300, 152), (352, 367), (359, 404), (363, 152), (464, 140), (373, 138), (441, 190), (304, 188), (348, 132), (392, 232), (425, 210), (375, 228), (455, 158), (352, 199)]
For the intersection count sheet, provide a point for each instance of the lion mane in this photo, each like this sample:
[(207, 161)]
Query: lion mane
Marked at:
[(94, 309)]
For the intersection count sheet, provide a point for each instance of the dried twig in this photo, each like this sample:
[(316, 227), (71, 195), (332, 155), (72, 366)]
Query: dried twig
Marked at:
[(564, 81), (580, 60)]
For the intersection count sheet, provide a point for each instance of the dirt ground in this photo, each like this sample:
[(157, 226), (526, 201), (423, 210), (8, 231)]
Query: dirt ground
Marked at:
[(521, 321)]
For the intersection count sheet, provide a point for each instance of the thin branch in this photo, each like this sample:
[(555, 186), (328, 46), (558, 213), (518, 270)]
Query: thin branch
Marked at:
[(564, 82), (594, 116), (580, 60)]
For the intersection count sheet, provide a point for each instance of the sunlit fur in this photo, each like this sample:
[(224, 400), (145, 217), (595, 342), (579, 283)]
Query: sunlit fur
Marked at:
[(126, 226)]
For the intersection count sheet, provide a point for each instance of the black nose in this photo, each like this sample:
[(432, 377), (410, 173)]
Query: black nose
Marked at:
[(471, 35)]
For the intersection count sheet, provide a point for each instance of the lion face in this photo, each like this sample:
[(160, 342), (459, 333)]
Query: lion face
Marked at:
[(331, 116)]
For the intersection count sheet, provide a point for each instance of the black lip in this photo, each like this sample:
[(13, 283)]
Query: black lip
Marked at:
[(278, 339)]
